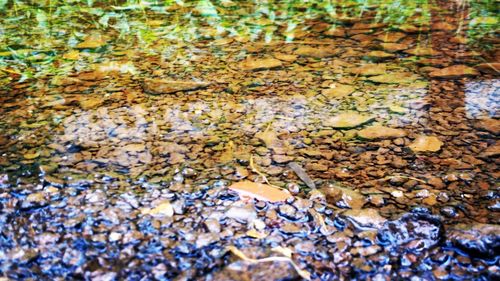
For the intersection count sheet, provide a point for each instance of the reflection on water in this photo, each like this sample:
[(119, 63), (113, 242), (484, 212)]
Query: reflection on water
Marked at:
[(123, 125), (482, 99)]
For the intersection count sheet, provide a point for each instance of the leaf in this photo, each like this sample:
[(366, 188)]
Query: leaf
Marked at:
[(260, 191)]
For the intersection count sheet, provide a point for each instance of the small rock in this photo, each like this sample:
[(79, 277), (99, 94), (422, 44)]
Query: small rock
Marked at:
[(213, 225), (260, 64), (347, 120), (338, 91), (452, 72), (381, 132), (365, 217), (426, 143), (162, 86), (321, 52), (242, 214), (481, 240), (164, 208), (489, 67), (369, 69), (489, 124), (344, 197), (290, 213), (420, 229)]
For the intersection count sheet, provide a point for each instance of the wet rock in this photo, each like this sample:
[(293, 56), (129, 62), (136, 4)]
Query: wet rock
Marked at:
[(394, 78), (338, 91), (90, 103), (213, 225), (489, 124), (92, 41), (35, 200), (436, 182), (415, 231), (422, 51), (242, 214), (480, 240), (380, 132), (365, 217), (394, 47), (335, 32), (22, 256), (449, 212), (253, 64), (344, 197), (491, 151), (452, 72), (379, 55), (305, 248), (347, 120), (163, 86), (206, 239), (290, 212), (245, 271), (260, 191), (293, 229), (426, 144), (369, 69), (282, 158), (162, 209), (285, 57), (491, 68), (319, 52)]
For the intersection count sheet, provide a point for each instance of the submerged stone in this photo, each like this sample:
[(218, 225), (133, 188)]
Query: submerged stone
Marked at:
[(413, 231), (481, 240), (319, 52), (381, 132), (260, 64), (456, 71), (162, 86), (489, 67), (426, 143), (338, 91), (348, 120)]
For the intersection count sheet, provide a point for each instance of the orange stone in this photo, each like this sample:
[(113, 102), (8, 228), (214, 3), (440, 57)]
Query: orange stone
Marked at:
[(260, 191)]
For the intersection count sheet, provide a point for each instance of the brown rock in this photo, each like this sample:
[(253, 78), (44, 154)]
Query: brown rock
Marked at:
[(335, 32), (491, 125), (489, 67), (252, 64), (391, 37), (491, 151), (456, 71), (320, 52), (348, 120), (344, 197), (381, 132), (394, 47), (365, 217), (369, 69), (426, 143), (339, 91), (162, 86), (282, 158), (90, 103)]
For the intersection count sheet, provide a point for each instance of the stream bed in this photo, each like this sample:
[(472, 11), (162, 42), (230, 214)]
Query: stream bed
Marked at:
[(132, 142)]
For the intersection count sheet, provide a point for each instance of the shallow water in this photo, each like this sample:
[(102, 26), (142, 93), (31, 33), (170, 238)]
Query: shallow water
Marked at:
[(395, 123)]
